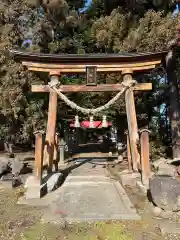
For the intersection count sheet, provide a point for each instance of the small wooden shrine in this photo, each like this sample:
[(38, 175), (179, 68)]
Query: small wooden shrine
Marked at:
[(90, 65)]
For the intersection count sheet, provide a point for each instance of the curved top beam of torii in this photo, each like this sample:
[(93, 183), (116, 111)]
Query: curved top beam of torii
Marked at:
[(86, 58), (72, 63)]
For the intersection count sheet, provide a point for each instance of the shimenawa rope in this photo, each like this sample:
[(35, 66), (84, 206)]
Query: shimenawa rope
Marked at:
[(125, 85)]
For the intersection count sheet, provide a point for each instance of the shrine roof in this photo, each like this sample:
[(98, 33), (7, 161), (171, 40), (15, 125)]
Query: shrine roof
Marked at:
[(86, 58)]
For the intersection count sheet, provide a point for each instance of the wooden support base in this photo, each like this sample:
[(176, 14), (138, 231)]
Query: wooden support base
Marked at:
[(39, 147), (145, 163)]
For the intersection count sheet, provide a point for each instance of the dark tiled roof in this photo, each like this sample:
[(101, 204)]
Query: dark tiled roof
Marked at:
[(86, 58)]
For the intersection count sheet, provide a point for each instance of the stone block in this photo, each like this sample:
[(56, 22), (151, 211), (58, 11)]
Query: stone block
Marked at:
[(16, 166), (31, 181), (4, 165), (159, 162), (165, 192), (163, 167), (166, 169), (36, 190), (129, 179)]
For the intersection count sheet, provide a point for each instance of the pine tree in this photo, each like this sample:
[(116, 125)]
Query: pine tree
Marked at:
[(58, 26)]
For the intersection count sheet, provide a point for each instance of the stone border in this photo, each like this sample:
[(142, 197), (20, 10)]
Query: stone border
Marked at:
[(127, 203)]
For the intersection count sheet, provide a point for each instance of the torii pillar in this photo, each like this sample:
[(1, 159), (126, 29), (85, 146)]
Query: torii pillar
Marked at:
[(51, 124), (132, 121)]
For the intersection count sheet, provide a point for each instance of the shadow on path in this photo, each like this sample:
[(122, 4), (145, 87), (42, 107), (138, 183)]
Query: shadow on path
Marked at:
[(65, 172)]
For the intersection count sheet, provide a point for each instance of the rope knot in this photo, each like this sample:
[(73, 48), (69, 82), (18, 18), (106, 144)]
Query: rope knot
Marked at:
[(53, 84), (129, 84)]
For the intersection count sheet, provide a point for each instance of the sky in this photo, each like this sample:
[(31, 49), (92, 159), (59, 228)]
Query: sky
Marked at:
[(88, 2)]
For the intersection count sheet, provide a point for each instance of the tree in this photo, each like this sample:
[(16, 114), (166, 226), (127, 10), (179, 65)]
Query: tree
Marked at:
[(22, 112), (19, 110), (57, 26), (152, 34)]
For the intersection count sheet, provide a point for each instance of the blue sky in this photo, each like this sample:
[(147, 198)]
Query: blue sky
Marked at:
[(88, 2)]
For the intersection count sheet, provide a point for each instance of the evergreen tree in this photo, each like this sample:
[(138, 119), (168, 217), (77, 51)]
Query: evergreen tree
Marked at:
[(58, 26)]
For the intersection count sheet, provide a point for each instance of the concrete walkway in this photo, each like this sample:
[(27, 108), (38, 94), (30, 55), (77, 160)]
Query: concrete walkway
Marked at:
[(89, 194)]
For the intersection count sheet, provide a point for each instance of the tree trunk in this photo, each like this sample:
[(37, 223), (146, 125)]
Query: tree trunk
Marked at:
[(174, 103)]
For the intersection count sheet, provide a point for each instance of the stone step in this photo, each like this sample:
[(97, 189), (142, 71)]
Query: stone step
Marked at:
[(93, 202), (72, 179)]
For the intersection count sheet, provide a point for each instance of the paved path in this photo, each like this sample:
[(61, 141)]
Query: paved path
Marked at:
[(89, 194)]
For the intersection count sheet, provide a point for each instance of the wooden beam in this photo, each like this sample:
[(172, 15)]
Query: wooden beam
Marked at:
[(51, 128), (83, 70), (83, 66), (98, 88), (132, 124)]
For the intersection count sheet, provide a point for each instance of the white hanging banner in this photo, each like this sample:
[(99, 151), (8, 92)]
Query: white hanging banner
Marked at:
[(77, 123), (104, 122), (91, 122)]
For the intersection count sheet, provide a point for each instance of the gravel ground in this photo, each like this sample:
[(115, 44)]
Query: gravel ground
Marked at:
[(149, 228), (23, 222)]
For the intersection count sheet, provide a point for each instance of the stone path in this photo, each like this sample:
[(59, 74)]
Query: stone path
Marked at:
[(89, 194)]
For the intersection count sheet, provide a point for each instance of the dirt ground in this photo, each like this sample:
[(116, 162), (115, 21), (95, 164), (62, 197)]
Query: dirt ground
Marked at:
[(19, 222), (22, 222)]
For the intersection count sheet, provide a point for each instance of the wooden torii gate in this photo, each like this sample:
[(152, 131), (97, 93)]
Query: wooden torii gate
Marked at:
[(125, 64)]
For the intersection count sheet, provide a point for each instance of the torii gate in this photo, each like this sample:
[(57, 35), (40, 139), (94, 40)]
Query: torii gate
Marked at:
[(125, 64)]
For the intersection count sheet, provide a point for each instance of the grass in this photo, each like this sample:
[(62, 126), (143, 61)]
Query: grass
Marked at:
[(18, 222), (96, 231), (23, 223)]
